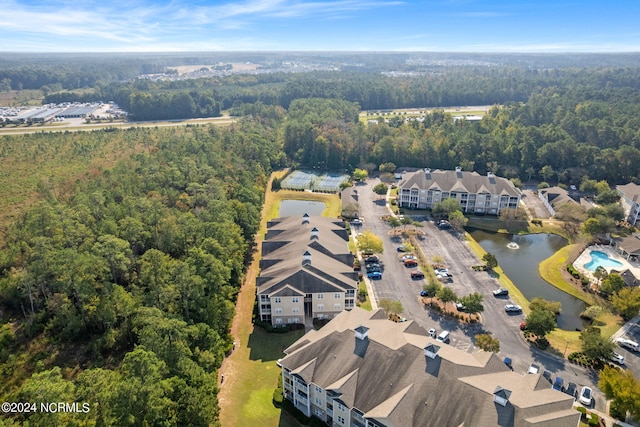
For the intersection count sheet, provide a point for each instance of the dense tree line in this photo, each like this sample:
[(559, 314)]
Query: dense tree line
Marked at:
[(129, 281)]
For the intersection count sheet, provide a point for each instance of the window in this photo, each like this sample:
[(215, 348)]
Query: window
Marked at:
[(277, 300), (318, 401), (320, 306), (294, 310), (337, 306), (320, 296), (278, 321), (319, 413), (340, 419), (278, 310), (341, 407), (294, 299), (318, 389), (336, 296)]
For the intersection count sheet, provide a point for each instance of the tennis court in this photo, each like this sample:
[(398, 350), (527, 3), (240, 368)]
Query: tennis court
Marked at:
[(303, 180)]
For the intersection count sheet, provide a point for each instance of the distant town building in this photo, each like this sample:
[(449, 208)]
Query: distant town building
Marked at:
[(554, 197), (363, 370), (476, 193)]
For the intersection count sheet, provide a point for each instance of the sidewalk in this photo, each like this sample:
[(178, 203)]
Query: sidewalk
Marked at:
[(608, 421)]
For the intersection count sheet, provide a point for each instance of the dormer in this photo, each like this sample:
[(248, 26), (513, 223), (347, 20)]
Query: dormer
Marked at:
[(305, 219), (501, 396), (427, 173)]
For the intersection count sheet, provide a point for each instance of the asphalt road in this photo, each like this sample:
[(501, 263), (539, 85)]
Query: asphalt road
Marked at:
[(396, 284)]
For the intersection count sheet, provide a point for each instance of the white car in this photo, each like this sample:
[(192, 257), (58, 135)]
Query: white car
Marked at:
[(618, 358), (628, 344), (512, 308), (586, 395), (533, 369)]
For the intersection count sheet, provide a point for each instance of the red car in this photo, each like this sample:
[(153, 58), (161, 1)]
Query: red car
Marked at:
[(417, 274), (410, 263), (523, 326)]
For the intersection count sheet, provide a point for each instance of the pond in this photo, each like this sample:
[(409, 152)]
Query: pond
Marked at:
[(519, 257), (301, 207)]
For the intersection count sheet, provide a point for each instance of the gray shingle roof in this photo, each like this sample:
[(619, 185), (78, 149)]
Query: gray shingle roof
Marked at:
[(393, 382), (460, 181), (631, 191)]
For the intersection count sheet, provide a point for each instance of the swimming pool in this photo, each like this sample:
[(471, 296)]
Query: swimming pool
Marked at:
[(601, 259)]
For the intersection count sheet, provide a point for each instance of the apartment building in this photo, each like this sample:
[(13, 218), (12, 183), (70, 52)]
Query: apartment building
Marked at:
[(476, 193), (363, 370), (306, 270), (630, 200)]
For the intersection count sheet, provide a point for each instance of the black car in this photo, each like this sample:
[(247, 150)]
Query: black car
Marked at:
[(547, 376), (373, 267), (371, 260), (571, 390), (500, 292)]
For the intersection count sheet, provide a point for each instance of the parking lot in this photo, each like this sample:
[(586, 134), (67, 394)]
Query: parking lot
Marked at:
[(396, 284)]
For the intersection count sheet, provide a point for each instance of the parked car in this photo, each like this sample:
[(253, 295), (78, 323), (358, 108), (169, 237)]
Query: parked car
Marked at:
[(512, 308), (375, 275), (417, 275), (507, 361), (523, 326), (410, 263), (441, 271), (571, 390), (444, 225), (371, 260), (500, 292), (618, 358), (402, 249), (443, 337), (586, 395), (533, 369), (356, 222), (424, 293), (558, 384), (460, 306), (628, 344), (409, 257), (373, 267), (432, 332), (547, 376)]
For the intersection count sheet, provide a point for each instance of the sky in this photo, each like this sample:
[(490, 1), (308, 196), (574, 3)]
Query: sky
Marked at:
[(320, 25)]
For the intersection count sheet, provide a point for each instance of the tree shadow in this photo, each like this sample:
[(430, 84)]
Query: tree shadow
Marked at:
[(267, 346)]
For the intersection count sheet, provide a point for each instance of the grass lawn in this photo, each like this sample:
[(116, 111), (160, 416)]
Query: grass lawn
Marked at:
[(366, 305), (502, 278), (551, 271), (251, 373)]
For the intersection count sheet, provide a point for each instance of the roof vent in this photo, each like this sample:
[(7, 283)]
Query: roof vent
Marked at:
[(501, 396), (431, 351), (458, 169), (315, 233), (362, 332), (490, 174), (306, 258), (305, 218)]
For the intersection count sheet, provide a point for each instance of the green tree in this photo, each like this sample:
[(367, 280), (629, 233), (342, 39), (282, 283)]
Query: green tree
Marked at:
[(369, 242), (627, 302), (621, 386), (380, 189), (473, 303), (487, 343), (446, 207), (458, 221), (117, 253), (432, 288), (387, 167), (539, 303), (490, 260), (446, 295), (591, 227), (611, 284), (595, 345), (547, 172), (600, 273), (360, 174), (540, 322), (391, 306)]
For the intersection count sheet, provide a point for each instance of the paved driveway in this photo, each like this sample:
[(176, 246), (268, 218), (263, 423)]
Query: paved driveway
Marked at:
[(397, 284)]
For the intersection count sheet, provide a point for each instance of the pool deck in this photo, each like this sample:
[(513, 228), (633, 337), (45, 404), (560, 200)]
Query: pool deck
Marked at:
[(611, 252)]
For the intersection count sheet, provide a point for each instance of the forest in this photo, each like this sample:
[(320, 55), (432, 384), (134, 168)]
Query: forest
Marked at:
[(120, 291)]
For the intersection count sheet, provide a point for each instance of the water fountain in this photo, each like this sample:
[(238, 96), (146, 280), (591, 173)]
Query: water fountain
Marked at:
[(513, 245)]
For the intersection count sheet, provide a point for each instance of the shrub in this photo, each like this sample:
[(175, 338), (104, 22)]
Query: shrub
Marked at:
[(542, 343), (615, 412), (278, 396)]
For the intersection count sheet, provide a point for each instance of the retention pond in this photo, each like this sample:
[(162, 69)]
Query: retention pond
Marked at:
[(519, 257)]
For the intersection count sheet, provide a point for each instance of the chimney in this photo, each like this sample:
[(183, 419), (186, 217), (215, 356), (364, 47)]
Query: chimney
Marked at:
[(431, 351), (315, 233), (306, 258), (458, 169), (501, 396), (362, 332), (427, 173), (490, 174), (305, 218)]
